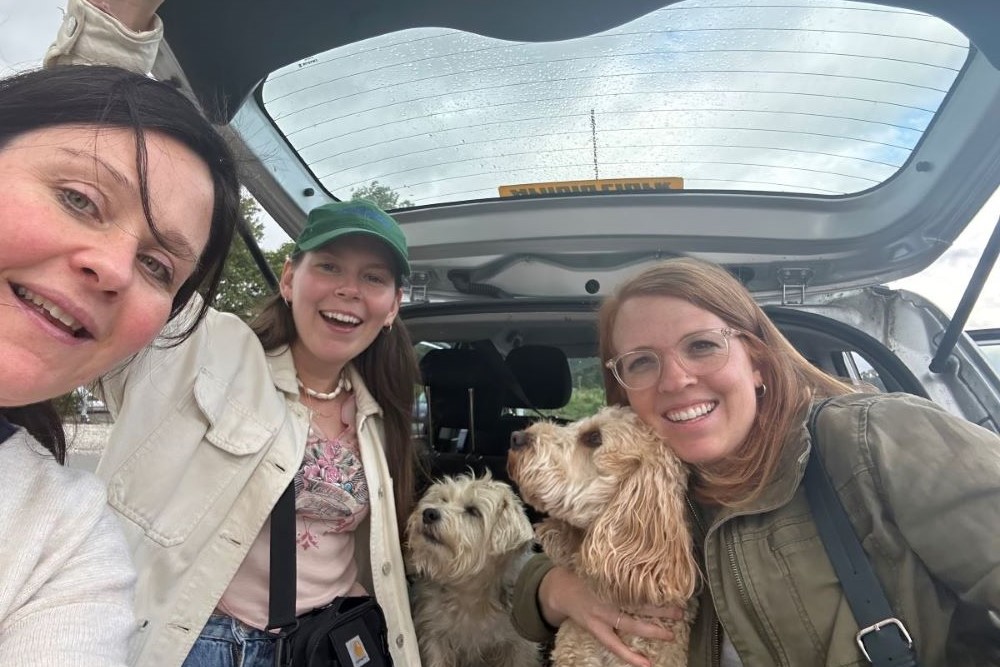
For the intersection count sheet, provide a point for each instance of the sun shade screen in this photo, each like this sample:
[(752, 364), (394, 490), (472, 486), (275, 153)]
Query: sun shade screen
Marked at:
[(823, 97)]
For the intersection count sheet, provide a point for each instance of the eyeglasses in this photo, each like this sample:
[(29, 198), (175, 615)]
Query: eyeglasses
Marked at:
[(698, 353)]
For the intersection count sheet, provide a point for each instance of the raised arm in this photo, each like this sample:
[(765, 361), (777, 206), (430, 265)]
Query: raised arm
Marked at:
[(126, 33)]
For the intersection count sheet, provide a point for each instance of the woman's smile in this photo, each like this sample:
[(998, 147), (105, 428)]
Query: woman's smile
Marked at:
[(87, 281)]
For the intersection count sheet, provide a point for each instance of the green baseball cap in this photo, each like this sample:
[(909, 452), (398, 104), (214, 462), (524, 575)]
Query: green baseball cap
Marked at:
[(358, 216)]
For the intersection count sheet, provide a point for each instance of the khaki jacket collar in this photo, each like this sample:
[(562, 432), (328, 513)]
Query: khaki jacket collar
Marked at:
[(787, 478)]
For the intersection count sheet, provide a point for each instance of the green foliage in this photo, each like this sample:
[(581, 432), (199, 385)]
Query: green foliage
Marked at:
[(586, 372), (243, 287), (276, 258), (584, 402), (382, 195), (588, 389), (68, 405)]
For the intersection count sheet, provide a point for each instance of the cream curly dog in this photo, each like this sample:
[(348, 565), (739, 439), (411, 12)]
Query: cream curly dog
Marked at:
[(615, 496), (467, 539)]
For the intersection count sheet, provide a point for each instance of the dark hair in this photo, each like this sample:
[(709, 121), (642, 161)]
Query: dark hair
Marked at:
[(110, 97), (792, 382), (389, 369)]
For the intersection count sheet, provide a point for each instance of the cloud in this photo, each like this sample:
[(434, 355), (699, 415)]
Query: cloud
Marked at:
[(825, 100), (26, 30), (944, 282)]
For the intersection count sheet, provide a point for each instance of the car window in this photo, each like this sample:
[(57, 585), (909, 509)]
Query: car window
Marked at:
[(989, 343), (992, 354), (588, 390), (824, 98), (861, 372)]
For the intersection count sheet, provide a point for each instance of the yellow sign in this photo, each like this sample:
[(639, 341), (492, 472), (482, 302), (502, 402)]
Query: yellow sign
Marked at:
[(593, 186)]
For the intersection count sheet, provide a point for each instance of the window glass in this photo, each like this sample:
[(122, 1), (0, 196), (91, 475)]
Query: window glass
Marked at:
[(821, 97), (991, 351)]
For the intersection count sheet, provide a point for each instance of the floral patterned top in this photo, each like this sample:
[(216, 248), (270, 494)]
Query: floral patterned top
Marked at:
[(331, 494), (331, 499)]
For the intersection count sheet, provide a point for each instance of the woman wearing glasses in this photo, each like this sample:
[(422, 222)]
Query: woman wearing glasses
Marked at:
[(691, 352)]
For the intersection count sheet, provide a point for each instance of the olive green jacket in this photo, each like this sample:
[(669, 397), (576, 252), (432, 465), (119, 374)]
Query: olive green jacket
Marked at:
[(922, 489)]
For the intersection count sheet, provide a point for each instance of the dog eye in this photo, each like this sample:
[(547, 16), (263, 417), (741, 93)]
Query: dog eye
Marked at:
[(473, 511), (591, 439)]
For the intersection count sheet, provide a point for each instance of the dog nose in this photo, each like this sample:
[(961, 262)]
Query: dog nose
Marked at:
[(520, 440), (431, 515)]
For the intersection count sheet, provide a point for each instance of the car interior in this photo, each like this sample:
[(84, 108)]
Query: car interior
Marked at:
[(817, 151), (486, 375)]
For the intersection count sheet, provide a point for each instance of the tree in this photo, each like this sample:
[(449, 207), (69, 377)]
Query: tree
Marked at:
[(242, 287), (588, 389), (381, 195)]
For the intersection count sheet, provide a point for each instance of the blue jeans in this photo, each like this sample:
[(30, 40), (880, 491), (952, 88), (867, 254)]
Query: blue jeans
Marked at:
[(226, 642)]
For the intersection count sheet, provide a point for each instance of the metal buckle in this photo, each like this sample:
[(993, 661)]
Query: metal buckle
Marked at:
[(282, 646), (878, 627)]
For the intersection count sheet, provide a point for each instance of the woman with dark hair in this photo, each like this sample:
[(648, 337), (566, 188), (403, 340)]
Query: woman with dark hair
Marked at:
[(691, 352), (118, 203), (316, 393)]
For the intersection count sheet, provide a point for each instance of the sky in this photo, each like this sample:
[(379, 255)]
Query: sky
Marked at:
[(27, 26)]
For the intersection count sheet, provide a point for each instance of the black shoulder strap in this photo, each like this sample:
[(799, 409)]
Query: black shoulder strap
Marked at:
[(883, 638), (281, 595)]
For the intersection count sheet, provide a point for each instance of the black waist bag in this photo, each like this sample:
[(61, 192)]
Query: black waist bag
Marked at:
[(348, 632)]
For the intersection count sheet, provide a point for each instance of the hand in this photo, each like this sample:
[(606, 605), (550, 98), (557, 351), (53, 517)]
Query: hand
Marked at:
[(136, 15), (563, 595)]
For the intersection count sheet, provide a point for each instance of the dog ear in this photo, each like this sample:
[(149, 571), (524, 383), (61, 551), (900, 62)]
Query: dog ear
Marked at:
[(639, 551), (511, 528)]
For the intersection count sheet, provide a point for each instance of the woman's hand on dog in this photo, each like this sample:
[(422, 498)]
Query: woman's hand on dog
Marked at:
[(563, 595)]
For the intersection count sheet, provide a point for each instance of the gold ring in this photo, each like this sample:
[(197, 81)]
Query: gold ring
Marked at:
[(618, 621)]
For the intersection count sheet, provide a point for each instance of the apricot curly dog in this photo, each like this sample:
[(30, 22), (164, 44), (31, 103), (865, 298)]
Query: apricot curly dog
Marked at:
[(615, 496)]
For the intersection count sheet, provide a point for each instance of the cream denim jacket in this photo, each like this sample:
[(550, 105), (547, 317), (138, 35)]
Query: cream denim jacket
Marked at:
[(207, 435)]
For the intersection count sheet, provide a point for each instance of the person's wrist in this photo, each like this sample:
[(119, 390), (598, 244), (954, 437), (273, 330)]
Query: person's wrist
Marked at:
[(135, 18), (548, 600)]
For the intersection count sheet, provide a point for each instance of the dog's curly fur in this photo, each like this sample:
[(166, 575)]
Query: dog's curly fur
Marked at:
[(467, 539), (615, 496)]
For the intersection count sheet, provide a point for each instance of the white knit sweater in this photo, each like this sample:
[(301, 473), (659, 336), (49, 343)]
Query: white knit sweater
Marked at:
[(66, 579)]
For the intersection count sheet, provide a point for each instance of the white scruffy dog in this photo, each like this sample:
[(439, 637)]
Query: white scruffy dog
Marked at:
[(467, 539)]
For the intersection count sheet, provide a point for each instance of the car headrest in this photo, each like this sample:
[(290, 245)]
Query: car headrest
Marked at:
[(543, 373), (450, 373), (456, 369)]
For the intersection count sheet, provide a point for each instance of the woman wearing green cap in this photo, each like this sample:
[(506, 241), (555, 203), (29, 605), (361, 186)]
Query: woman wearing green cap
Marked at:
[(316, 392)]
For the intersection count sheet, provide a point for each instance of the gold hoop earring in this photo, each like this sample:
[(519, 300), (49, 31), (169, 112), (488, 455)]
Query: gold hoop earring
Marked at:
[(762, 390), (387, 328)]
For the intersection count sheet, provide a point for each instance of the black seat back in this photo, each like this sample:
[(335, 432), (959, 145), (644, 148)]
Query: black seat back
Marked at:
[(544, 375), (461, 396)]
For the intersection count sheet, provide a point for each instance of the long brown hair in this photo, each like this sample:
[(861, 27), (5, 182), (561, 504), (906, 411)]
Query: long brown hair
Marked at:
[(389, 369), (791, 380)]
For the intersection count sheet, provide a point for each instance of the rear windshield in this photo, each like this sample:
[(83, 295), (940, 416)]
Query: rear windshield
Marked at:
[(815, 97)]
